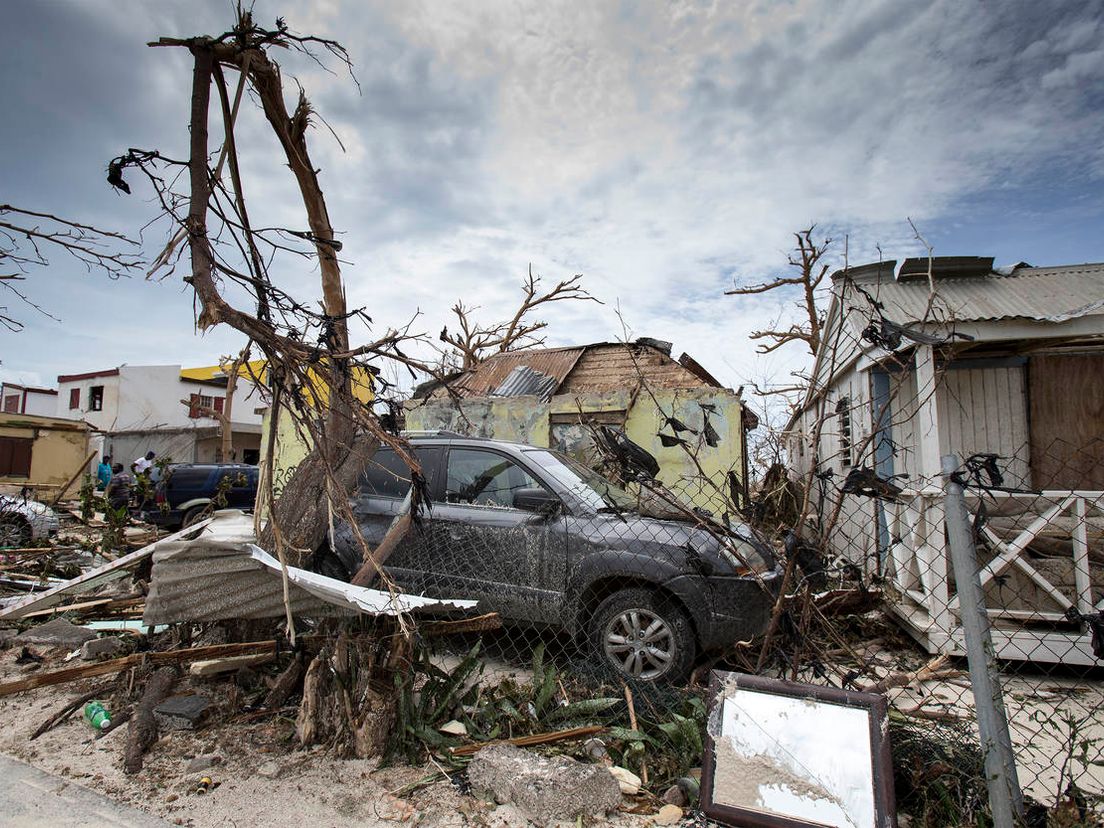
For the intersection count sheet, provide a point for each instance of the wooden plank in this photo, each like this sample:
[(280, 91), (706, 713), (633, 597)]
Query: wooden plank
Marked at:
[(1082, 576), (536, 739), (214, 666), (101, 668), (1067, 421)]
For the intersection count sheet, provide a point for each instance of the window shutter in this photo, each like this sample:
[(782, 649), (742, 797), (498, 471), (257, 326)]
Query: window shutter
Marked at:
[(15, 456), (193, 409), (74, 398), (218, 404)]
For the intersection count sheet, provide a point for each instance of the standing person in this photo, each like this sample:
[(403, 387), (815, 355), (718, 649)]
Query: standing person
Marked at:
[(103, 472), (143, 464), (118, 490)]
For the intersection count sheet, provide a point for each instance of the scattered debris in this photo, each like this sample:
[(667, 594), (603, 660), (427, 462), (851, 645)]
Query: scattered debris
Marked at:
[(143, 726), (181, 712), (669, 815), (96, 648), (56, 633), (628, 781), (547, 789)]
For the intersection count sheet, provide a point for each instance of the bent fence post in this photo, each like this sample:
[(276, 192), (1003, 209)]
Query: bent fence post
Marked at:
[(1005, 798)]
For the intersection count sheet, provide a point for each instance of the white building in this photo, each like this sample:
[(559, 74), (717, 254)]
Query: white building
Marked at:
[(971, 361), (26, 399), (160, 408)]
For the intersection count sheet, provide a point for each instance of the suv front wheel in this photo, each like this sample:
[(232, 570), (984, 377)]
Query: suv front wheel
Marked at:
[(643, 636)]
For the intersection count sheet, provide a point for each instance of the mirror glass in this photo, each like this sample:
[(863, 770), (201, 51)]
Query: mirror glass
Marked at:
[(800, 758)]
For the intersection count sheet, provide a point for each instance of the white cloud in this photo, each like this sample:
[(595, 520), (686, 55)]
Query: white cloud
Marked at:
[(661, 150)]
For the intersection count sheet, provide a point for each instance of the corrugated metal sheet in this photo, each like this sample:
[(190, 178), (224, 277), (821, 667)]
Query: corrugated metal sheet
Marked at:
[(493, 371), (222, 575), (1052, 294), (523, 381)]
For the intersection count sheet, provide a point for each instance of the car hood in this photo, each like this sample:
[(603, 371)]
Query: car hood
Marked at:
[(675, 541)]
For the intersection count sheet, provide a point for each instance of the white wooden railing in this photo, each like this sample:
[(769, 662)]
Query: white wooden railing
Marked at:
[(915, 564)]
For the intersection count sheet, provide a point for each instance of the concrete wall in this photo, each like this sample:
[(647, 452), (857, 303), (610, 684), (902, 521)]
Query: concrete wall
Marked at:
[(102, 420), (60, 448), (146, 397)]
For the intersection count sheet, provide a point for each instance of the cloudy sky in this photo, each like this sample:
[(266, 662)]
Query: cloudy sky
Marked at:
[(663, 150)]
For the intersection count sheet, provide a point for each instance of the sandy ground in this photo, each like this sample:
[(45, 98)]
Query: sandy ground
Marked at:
[(261, 779)]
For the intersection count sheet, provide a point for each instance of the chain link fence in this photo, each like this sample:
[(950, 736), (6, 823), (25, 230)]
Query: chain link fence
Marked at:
[(615, 600)]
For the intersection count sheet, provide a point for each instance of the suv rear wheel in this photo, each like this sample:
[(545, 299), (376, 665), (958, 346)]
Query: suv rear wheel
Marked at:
[(194, 515), (643, 636)]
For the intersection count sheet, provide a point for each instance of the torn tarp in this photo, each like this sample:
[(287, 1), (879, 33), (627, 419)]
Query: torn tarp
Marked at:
[(222, 575)]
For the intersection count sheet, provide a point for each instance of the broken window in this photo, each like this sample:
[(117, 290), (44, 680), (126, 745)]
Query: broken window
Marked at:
[(74, 399), (95, 398), (843, 411)]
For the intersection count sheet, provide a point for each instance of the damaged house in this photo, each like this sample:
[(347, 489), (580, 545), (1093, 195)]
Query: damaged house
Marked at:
[(163, 408), (554, 397), (1001, 367)]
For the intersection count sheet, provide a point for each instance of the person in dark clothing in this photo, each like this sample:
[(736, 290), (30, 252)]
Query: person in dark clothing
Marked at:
[(118, 490)]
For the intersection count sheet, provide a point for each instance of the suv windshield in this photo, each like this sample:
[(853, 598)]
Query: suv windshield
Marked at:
[(591, 487)]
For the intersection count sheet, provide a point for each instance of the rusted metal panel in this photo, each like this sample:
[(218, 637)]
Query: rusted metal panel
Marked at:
[(493, 371)]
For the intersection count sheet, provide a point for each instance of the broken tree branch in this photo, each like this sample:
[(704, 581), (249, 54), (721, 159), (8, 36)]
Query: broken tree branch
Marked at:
[(142, 731)]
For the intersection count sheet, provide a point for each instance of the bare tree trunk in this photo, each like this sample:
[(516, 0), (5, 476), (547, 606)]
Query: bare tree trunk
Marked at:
[(302, 510), (226, 423)]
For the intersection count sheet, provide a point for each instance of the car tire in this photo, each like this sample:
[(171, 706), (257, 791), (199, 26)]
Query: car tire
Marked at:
[(643, 636), (14, 533), (194, 515)]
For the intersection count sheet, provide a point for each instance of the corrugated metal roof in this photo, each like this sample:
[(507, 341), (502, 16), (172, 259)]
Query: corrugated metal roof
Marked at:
[(523, 381), (493, 371), (1052, 294)]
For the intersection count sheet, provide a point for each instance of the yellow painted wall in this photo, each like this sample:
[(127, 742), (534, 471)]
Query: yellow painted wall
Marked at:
[(60, 447), (528, 420)]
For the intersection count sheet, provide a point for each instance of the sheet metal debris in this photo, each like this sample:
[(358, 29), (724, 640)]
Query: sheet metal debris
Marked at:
[(222, 575)]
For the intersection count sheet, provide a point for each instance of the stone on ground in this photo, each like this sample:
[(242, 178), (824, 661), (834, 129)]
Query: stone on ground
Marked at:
[(547, 790), (181, 712), (56, 633), (96, 648)]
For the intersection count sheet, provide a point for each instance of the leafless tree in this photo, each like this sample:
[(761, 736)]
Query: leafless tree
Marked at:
[(806, 260), (26, 236), (475, 341)]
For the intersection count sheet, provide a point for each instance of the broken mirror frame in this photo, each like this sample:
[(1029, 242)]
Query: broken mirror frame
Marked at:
[(718, 801)]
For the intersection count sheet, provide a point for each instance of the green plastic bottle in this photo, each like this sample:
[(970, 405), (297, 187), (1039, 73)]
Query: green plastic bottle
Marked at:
[(97, 716)]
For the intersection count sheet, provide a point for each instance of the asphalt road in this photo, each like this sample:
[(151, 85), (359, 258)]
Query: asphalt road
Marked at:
[(31, 798)]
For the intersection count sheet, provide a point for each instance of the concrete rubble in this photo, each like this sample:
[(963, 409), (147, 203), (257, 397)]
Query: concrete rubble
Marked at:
[(182, 712), (548, 790), (56, 633)]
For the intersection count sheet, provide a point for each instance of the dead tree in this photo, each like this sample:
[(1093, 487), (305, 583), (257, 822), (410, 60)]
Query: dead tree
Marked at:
[(309, 359), (27, 235), (806, 259), (475, 341), (310, 364)]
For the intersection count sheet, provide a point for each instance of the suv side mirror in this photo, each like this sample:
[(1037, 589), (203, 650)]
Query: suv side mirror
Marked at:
[(536, 500)]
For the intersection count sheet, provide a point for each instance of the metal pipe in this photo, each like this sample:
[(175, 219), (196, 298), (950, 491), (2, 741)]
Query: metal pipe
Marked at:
[(1005, 798)]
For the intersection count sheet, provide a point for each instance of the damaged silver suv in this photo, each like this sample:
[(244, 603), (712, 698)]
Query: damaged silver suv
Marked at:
[(545, 541)]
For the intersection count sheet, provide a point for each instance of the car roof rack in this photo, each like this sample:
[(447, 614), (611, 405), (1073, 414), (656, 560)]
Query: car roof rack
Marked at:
[(433, 432)]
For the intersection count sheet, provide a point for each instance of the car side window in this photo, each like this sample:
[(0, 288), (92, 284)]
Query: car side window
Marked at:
[(483, 478), (387, 474)]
